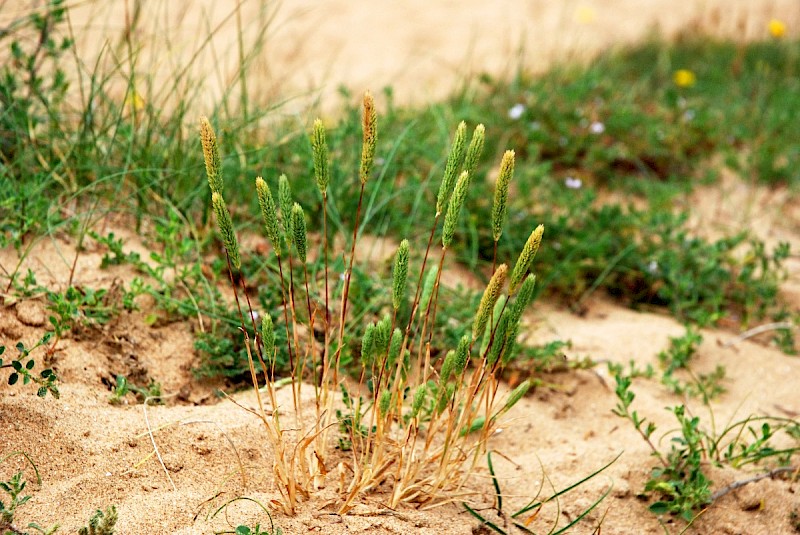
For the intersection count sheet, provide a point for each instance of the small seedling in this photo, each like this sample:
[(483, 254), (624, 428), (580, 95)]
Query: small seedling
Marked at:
[(101, 522), (124, 387), (23, 365), (680, 480), (14, 489)]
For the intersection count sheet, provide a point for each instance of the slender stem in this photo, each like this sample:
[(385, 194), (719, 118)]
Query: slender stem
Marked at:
[(286, 315), (346, 291), (246, 337), (327, 292), (311, 339), (295, 392)]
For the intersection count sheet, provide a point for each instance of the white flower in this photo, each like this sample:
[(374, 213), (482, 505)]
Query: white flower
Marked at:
[(573, 183), (688, 115), (255, 315), (597, 127), (516, 111), (652, 267)]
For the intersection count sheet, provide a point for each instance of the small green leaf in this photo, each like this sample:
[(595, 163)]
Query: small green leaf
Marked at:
[(13, 378), (30, 364), (17, 365), (243, 530), (46, 373), (659, 508), (42, 392)]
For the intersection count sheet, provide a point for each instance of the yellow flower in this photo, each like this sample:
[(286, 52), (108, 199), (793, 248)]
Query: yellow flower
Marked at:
[(134, 100), (684, 78), (777, 28), (585, 15)]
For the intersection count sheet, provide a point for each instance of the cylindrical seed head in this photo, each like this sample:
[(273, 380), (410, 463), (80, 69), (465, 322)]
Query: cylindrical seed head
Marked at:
[(299, 229), (454, 208), (382, 331), (427, 288), (269, 214), (319, 147), (419, 399), (500, 206), (462, 355), (211, 155), (525, 259), (451, 167), (490, 295), (524, 297), (517, 395), (385, 401), (394, 346), (285, 202), (370, 128), (448, 365), (400, 274), (367, 346), (475, 149), (498, 344), (225, 224), (487, 334)]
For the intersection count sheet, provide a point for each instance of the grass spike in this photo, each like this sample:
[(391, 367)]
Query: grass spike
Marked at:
[(419, 399), (299, 231), (475, 149), (500, 206), (525, 259), (225, 224), (269, 214), (462, 355), (490, 295), (395, 345), (285, 202), (454, 208), (447, 367), (211, 155), (454, 159), (367, 346), (384, 402), (370, 128), (400, 274), (319, 148)]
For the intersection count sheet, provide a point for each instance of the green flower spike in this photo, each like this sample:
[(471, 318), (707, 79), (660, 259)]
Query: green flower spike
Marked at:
[(285, 202), (269, 214), (320, 149), (452, 165), (370, 127), (475, 149), (400, 274), (454, 208), (211, 155), (500, 208), (525, 259), (490, 295), (225, 225), (299, 229)]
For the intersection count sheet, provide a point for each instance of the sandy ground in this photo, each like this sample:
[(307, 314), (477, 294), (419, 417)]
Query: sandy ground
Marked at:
[(92, 454), (299, 52)]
